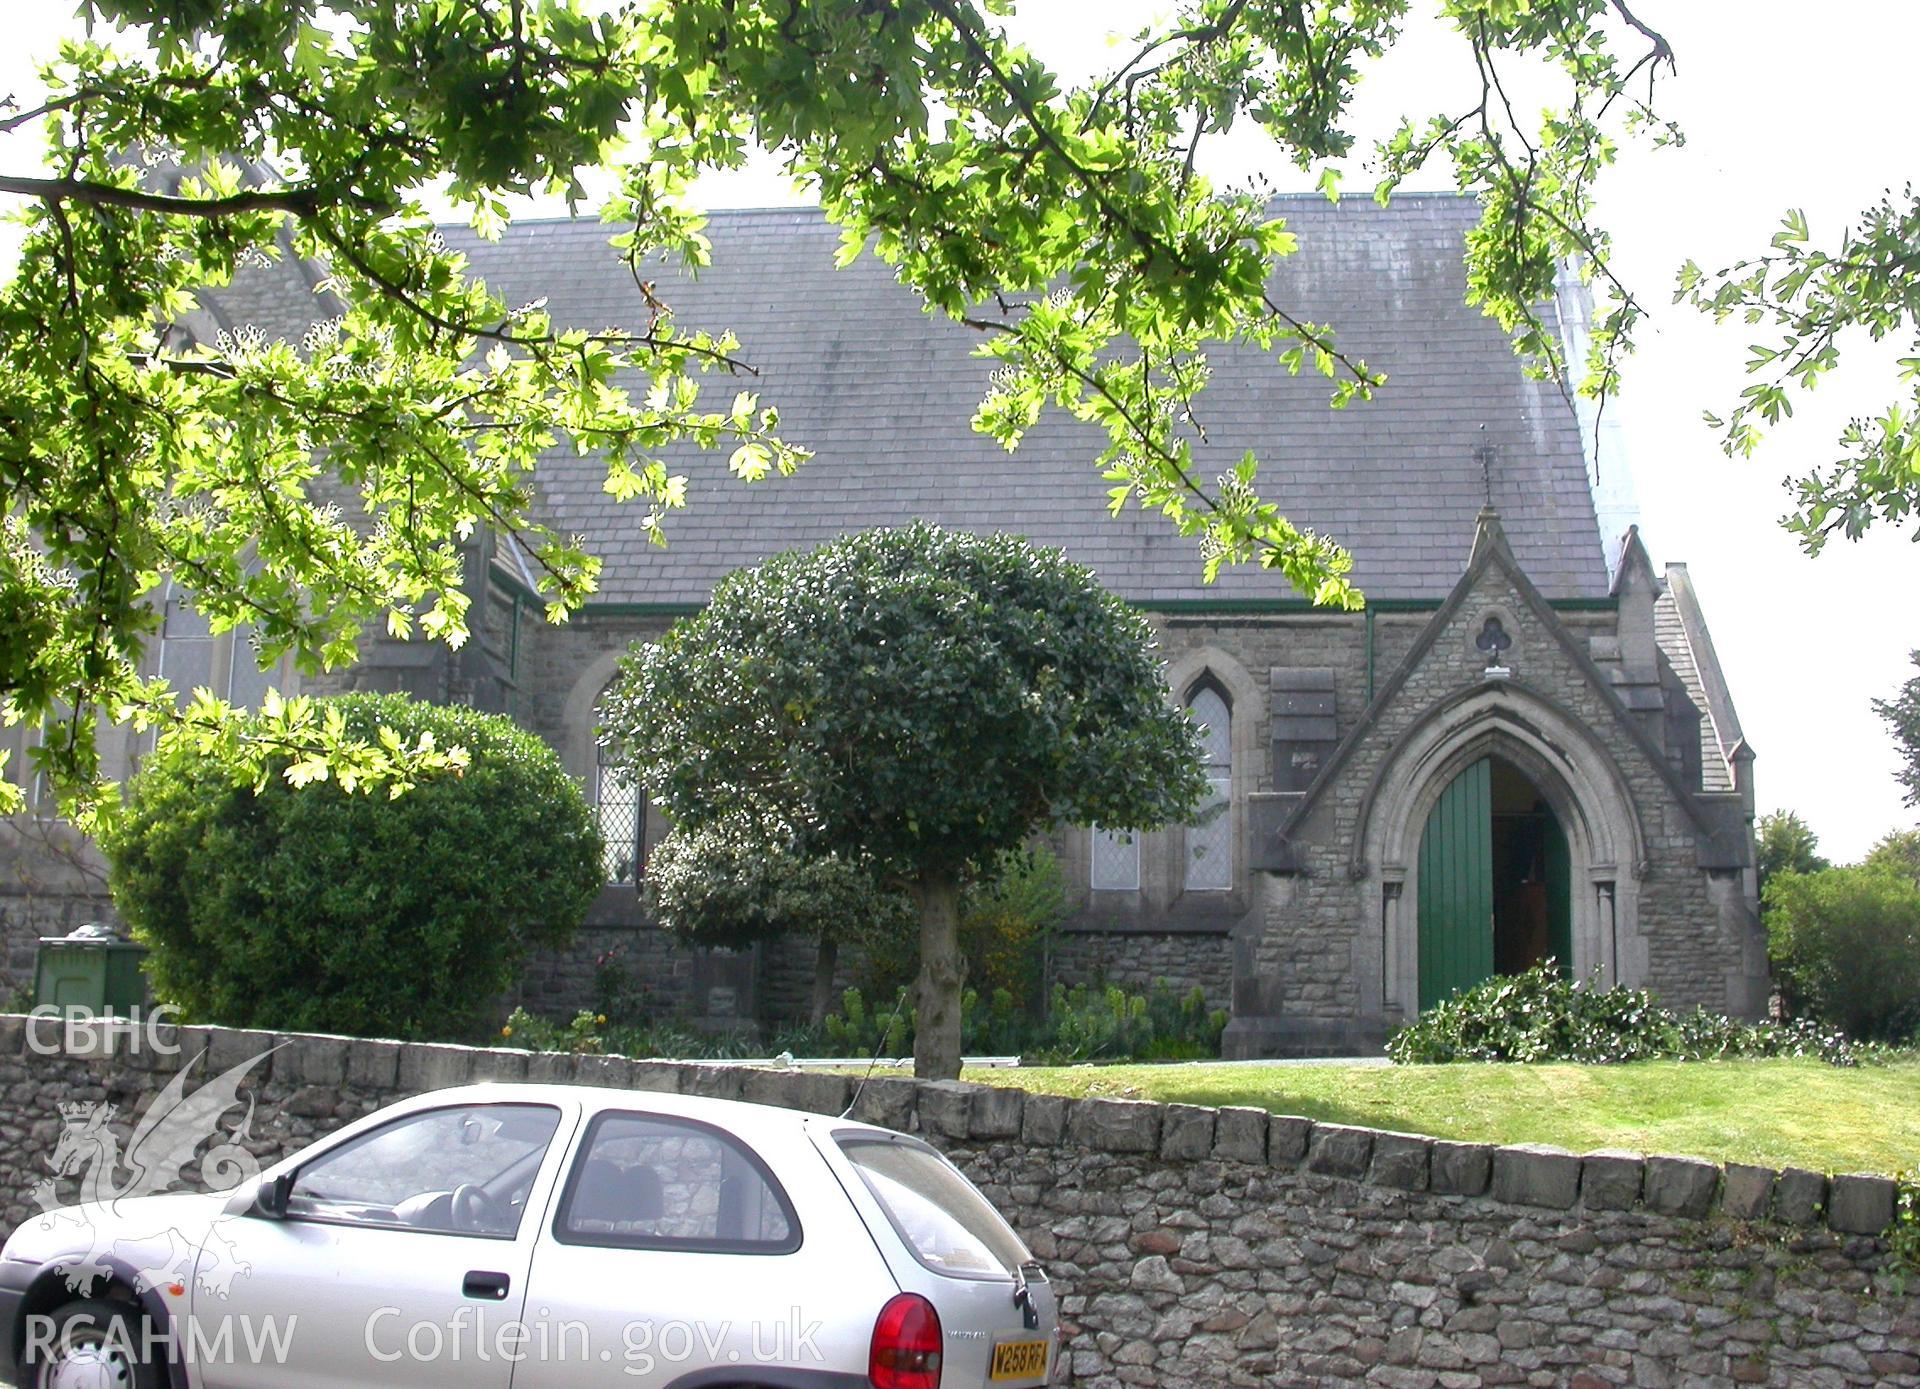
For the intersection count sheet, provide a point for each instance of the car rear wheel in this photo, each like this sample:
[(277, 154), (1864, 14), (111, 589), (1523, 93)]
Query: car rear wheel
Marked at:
[(95, 1344)]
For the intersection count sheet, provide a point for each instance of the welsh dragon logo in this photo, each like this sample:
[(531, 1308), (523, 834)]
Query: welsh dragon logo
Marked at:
[(174, 1128)]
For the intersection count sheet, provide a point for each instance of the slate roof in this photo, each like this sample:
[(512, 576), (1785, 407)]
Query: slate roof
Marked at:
[(883, 395), (1680, 629)]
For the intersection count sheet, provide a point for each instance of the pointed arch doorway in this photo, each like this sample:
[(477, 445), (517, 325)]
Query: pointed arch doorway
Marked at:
[(1495, 881)]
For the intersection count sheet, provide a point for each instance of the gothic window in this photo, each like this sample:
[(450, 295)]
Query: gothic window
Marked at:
[(19, 742), (247, 684), (186, 644), (192, 657), (1116, 860), (1210, 835), (622, 814)]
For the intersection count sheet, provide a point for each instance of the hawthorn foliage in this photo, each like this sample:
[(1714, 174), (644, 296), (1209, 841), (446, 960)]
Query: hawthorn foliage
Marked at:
[(311, 490), (1813, 302)]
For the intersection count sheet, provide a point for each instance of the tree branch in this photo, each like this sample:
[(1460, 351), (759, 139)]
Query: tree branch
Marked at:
[(300, 202), (1662, 50)]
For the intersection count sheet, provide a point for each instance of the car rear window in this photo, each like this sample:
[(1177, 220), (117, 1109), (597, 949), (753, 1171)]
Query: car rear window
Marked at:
[(946, 1222), (646, 1181)]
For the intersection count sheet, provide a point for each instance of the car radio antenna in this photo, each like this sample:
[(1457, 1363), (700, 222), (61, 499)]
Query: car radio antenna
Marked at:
[(899, 1002)]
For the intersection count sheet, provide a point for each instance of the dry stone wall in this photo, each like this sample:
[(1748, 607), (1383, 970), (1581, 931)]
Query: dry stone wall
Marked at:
[(1194, 1246)]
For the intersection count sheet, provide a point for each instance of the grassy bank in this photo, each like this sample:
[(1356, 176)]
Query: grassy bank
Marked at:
[(1780, 1113)]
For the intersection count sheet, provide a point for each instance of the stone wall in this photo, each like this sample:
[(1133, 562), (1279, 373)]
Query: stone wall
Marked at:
[(1198, 1247), (1310, 948), (1326, 961), (766, 987), (559, 983), (1138, 960), (51, 881)]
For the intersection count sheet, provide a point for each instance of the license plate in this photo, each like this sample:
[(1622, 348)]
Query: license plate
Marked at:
[(1019, 1360)]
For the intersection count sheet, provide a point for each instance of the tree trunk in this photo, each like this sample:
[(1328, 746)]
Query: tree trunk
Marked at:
[(825, 960), (936, 1038)]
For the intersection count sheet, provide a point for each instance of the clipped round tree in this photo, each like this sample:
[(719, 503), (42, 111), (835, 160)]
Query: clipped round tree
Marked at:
[(738, 881), (321, 909), (915, 698)]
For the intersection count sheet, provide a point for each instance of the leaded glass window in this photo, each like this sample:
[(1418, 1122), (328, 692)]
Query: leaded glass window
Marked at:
[(622, 816), (1210, 835), (1116, 860), (186, 645), (192, 657), (247, 684)]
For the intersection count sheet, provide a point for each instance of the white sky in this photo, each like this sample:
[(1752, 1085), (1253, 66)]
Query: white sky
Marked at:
[(1781, 109)]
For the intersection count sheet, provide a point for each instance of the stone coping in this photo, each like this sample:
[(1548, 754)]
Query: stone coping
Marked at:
[(1529, 1174)]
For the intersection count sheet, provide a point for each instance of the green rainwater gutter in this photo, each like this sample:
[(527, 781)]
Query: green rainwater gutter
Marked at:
[(1170, 607)]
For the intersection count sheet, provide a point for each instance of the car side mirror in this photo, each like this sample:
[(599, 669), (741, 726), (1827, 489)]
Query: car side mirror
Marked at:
[(274, 1195)]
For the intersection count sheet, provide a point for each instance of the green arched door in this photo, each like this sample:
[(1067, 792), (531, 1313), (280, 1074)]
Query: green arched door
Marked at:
[(1559, 892), (1456, 887), (1494, 882)]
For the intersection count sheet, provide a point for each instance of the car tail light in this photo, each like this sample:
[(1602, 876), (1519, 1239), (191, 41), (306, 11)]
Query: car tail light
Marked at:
[(906, 1345)]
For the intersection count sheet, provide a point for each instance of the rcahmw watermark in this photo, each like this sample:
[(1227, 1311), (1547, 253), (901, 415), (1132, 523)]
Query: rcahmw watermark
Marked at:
[(193, 1340)]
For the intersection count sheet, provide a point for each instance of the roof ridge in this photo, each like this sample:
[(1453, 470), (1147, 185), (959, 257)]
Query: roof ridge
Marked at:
[(777, 209)]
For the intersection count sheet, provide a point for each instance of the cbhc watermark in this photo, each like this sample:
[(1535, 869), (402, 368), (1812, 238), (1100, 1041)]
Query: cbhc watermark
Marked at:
[(53, 1030)]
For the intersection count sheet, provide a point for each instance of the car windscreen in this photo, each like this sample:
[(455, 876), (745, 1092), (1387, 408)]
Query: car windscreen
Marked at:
[(947, 1223)]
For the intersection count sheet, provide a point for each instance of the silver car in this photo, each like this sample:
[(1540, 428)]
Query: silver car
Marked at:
[(539, 1236)]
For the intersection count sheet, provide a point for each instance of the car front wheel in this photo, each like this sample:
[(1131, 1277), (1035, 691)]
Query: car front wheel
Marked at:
[(95, 1344)]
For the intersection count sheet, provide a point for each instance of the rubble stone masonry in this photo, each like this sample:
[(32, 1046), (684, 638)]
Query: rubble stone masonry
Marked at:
[(1193, 1246)]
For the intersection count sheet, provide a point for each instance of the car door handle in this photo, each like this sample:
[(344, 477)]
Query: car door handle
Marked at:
[(492, 1286)]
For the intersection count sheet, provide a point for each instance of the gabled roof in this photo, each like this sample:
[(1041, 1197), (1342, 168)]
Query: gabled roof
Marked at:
[(884, 394), (1493, 550), (1681, 630)]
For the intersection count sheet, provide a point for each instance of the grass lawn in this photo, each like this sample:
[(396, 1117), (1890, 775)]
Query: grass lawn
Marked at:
[(1780, 1113)]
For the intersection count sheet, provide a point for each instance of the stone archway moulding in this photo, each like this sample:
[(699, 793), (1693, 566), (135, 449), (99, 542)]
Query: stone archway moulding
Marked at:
[(581, 708), (1579, 776), (1576, 775), (1233, 678)]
